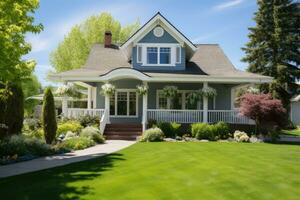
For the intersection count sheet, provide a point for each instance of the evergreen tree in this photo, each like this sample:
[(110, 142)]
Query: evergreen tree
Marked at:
[(273, 49), (49, 117)]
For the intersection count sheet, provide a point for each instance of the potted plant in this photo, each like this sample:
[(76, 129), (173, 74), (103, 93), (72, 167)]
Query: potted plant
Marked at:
[(142, 89), (108, 89)]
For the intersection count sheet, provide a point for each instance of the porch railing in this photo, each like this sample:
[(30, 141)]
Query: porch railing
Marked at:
[(77, 112), (104, 120), (180, 116), (228, 116), (192, 116)]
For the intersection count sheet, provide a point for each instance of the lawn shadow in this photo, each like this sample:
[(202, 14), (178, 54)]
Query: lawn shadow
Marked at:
[(58, 183)]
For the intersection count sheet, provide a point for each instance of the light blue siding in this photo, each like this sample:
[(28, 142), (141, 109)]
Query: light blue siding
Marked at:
[(151, 38)]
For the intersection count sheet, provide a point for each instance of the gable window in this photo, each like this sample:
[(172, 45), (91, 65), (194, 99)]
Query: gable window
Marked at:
[(165, 55), (152, 56)]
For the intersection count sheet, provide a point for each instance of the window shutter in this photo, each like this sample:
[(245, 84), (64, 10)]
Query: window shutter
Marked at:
[(139, 54), (178, 56)]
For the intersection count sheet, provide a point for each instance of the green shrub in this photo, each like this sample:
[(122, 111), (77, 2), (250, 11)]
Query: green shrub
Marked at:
[(21, 145), (93, 134), (37, 133), (32, 123), (49, 117), (72, 125), (222, 130), (77, 143), (153, 135), (88, 120), (166, 129), (70, 135), (203, 131), (152, 123), (175, 129)]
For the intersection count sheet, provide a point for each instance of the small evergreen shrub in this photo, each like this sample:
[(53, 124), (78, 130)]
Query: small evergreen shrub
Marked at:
[(222, 130), (88, 120), (77, 143), (241, 136), (152, 123), (170, 130), (152, 135), (175, 129), (72, 125), (203, 131), (49, 117), (93, 134)]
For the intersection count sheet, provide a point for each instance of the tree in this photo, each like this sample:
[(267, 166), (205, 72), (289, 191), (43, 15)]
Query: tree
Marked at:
[(273, 49), (16, 19), (262, 108), (49, 116), (73, 51), (31, 87)]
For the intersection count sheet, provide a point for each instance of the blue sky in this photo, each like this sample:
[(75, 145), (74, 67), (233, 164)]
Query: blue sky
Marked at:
[(203, 21)]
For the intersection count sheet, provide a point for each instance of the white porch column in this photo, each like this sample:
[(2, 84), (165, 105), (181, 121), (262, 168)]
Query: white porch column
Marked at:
[(107, 105), (145, 106), (89, 97), (205, 105), (94, 92)]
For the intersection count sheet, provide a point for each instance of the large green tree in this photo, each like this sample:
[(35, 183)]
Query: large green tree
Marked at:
[(16, 19), (273, 49), (73, 51)]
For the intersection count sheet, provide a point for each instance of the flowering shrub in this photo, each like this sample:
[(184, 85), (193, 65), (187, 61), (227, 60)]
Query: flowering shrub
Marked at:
[(108, 89), (209, 92), (70, 135), (153, 135), (142, 89), (241, 136), (262, 108), (170, 91)]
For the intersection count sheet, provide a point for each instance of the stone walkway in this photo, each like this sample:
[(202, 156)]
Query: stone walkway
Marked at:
[(63, 159)]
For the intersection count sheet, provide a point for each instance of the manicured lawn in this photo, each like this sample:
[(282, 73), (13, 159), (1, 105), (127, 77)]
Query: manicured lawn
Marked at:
[(170, 171), (295, 132)]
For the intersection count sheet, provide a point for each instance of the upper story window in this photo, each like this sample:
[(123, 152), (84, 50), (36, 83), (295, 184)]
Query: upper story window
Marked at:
[(160, 54)]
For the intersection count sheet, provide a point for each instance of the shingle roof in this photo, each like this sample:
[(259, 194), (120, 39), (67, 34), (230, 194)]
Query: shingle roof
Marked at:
[(209, 59)]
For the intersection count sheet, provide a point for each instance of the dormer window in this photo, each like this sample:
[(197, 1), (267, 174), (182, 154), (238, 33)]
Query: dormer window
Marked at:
[(158, 54)]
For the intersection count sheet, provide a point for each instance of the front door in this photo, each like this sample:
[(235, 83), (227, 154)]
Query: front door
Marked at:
[(124, 103)]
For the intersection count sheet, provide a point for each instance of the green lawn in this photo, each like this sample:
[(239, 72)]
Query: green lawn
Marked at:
[(295, 132), (170, 171)]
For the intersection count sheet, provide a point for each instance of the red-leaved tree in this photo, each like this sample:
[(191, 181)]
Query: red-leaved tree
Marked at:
[(262, 108)]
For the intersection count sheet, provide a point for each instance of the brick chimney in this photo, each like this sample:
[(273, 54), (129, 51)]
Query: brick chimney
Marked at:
[(107, 39)]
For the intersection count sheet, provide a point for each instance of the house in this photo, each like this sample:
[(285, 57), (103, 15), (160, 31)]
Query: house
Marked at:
[(156, 56)]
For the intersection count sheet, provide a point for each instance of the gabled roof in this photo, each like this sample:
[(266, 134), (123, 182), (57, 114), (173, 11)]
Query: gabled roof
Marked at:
[(158, 19)]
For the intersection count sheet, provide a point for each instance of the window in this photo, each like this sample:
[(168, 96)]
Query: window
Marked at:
[(162, 101), (178, 55), (165, 55), (139, 54), (124, 103), (152, 56)]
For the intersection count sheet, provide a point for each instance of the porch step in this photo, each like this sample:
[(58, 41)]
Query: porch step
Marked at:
[(122, 131)]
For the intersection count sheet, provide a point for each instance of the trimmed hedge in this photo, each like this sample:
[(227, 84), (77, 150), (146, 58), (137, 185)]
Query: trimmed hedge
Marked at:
[(210, 131)]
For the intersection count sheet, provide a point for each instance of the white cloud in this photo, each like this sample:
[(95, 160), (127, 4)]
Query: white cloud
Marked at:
[(227, 4), (38, 43)]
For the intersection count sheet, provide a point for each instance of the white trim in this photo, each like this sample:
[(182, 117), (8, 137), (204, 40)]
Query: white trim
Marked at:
[(178, 62), (138, 55), (116, 104), (123, 73)]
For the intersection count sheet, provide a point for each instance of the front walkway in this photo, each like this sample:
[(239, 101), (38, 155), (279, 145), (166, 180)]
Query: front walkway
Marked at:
[(63, 159)]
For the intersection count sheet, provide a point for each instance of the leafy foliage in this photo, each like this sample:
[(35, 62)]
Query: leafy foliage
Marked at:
[(73, 51), (49, 116), (16, 19), (77, 143), (263, 109), (274, 44), (93, 134), (89, 120), (210, 131), (153, 135), (72, 125)]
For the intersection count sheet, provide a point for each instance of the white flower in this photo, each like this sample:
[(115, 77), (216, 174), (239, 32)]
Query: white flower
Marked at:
[(253, 90), (68, 89), (209, 92), (142, 89), (108, 89), (240, 136)]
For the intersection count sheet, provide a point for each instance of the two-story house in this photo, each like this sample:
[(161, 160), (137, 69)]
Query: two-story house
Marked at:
[(159, 55)]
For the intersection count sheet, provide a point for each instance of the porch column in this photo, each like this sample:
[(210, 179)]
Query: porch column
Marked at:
[(89, 97), (145, 106), (107, 105), (64, 105), (94, 90), (205, 105)]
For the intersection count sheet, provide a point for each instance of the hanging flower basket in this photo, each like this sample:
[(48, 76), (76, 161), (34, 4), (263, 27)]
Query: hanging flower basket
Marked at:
[(67, 90), (194, 97), (209, 92), (170, 91), (108, 89), (142, 89)]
